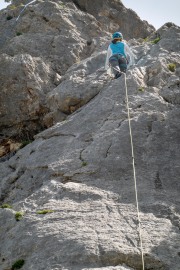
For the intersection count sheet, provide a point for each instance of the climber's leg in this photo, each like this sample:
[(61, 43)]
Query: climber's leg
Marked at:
[(114, 63)]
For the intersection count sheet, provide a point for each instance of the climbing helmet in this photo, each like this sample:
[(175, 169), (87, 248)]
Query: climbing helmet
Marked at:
[(117, 35)]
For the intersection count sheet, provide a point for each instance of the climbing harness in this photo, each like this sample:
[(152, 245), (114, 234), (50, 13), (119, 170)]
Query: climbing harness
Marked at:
[(134, 171)]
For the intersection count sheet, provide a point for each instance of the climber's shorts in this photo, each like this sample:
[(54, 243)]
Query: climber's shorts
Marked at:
[(118, 61)]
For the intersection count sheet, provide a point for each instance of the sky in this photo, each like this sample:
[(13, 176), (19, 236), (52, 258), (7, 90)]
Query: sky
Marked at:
[(3, 4), (156, 12)]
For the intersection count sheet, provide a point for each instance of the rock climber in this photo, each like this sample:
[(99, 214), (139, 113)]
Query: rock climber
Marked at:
[(119, 55)]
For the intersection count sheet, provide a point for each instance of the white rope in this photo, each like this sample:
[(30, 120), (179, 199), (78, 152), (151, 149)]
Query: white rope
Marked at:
[(134, 172)]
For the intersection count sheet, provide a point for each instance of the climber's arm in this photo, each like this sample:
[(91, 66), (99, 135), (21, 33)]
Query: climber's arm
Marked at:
[(129, 55), (109, 54)]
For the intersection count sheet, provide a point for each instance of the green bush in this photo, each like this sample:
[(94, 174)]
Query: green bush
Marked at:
[(12, 7), (156, 40), (5, 205), (18, 33), (9, 17), (24, 143), (84, 163), (45, 211), (18, 265), (19, 216), (172, 67), (62, 5), (141, 89)]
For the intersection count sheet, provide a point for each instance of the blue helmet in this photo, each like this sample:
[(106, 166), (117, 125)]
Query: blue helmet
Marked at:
[(117, 35)]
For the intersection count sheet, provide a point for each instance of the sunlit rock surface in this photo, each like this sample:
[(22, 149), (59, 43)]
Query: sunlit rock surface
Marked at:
[(37, 46), (81, 167)]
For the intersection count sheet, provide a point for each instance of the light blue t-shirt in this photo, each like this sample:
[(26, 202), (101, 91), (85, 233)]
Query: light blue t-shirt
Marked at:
[(117, 48)]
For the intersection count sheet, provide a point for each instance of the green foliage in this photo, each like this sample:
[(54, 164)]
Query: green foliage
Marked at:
[(172, 67), (18, 33), (5, 205), (156, 40), (9, 17), (145, 39), (84, 163), (12, 7), (62, 5), (18, 265), (19, 216), (45, 211), (24, 143), (141, 89)]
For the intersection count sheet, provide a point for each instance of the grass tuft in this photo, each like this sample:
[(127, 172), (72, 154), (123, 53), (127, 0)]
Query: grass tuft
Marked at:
[(45, 211), (18, 264), (18, 33), (172, 67), (19, 216), (141, 89), (156, 40), (24, 143), (5, 205), (84, 163), (12, 7), (9, 17)]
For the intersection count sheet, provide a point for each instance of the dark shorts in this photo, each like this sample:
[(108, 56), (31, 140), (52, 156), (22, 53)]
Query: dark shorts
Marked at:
[(118, 61)]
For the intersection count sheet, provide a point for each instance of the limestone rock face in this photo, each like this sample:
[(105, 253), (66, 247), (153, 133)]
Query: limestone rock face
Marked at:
[(81, 84), (23, 96), (113, 15), (36, 50), (39, 46), (79, 171)]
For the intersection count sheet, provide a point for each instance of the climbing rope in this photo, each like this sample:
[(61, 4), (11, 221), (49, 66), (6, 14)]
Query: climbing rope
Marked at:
[(134, 172), (134, 169)]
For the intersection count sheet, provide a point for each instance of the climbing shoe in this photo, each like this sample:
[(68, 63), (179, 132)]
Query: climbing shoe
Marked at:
[(118, 75)]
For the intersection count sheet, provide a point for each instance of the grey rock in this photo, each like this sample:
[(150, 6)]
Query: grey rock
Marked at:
[(81, 170), (113, 15), (82, 83), (23, 100), (50, 36)]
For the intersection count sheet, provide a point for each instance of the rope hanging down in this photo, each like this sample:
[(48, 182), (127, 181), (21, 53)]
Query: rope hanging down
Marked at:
[(134, 172)]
